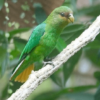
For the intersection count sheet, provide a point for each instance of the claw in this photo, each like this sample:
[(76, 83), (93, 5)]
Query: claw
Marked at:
[(48, 62)]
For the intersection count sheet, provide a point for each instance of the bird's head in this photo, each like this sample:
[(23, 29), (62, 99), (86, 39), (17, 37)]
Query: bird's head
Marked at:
[(61, 16)]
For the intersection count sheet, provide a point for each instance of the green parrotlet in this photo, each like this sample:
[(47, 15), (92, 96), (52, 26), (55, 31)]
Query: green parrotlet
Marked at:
[(41, 42)]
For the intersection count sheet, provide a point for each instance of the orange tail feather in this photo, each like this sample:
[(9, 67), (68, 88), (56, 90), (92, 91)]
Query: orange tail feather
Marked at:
[(25, 74)]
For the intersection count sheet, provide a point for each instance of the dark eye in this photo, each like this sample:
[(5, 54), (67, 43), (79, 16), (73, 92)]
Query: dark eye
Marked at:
[(62, 14)]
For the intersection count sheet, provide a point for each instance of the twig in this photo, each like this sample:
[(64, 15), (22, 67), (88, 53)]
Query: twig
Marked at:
[(37, 77)]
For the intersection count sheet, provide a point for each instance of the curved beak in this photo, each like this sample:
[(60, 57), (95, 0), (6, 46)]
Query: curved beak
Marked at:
[(71, 18)]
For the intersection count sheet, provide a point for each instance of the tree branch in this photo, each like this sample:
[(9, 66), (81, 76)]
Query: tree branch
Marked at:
[(37, 77)]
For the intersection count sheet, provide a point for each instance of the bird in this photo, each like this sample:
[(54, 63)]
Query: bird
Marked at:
[(41, 42)]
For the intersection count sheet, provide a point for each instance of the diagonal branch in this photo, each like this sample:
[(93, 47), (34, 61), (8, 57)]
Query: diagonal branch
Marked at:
[(37, 77)]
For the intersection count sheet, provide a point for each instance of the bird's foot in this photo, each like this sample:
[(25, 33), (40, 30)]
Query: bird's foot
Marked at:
[(48, 62)]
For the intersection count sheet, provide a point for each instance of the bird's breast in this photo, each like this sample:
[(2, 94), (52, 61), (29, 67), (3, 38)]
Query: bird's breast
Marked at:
[(46, 44), (49, 40)]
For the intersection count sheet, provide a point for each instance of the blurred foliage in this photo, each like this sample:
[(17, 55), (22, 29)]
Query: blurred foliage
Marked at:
[(53, 95), (1, 3), (11, 47), (97, 95)]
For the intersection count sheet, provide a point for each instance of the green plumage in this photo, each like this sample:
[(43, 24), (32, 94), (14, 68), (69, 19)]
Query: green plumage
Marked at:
[(43, 39), (33, 40)]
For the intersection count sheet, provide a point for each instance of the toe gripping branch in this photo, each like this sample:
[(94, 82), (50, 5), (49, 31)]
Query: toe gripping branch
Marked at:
[(48, 61)]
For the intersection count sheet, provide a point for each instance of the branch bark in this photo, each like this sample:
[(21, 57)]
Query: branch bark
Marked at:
[(37, 77)]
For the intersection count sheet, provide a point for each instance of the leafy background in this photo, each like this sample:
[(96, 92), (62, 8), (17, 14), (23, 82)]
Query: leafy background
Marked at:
[(79, 77)]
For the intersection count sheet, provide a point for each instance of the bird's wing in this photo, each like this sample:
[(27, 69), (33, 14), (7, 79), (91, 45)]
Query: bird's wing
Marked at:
[(31, 44), (33, 40)]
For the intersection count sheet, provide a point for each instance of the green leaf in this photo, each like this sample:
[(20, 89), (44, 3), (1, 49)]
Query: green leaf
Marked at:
[(97, 95), (53, 95), (2, 37), (73, 5), (3, 59), (39, 13), (46, 96), (93, 10), (15, 53), (15, 86), (97, 75), (16, 31), (67, 3), (72, 31), (19, 43), (1, 3), (79, 96), (78, 88), (73, 28), (93, 45), (4, 56), (25, 7), (98, 37), (58, 78), (70, 64), (92, 51), (93, 55), (4, 93), (5, 62), (13, 63)]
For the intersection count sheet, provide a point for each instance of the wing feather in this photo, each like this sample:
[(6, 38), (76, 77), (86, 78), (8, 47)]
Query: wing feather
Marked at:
[(33, 40)]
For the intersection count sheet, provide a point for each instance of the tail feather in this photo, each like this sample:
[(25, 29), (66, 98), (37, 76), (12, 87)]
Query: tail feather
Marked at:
[(25, 74), (16, 68)]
